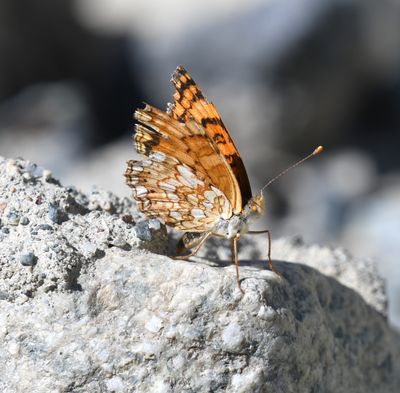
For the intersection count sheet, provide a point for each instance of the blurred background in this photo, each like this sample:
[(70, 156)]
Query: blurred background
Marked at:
[(286, 76)]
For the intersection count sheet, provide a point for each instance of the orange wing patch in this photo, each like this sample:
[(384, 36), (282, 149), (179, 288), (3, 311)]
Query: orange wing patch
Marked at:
[(190, 104), (159, 133)]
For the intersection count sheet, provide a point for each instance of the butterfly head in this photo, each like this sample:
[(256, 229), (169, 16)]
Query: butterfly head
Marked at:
[(255, 207)]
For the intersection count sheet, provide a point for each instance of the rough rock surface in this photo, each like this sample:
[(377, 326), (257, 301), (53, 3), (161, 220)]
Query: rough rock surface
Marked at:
[(50, 234), (119, 318)]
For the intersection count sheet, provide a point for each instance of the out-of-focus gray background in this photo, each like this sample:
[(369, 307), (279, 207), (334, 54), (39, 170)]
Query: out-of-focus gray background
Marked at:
[(286, 75)]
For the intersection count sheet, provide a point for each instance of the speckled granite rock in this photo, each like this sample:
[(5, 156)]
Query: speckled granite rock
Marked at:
[(134, 321)]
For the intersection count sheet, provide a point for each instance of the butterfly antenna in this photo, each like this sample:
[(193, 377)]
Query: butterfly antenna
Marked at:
[(318, 150)]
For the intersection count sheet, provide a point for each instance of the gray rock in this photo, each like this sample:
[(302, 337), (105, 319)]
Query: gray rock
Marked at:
[(82, 230), (24, 221), (28, 259), (56, 214), (142, 230), (33, 171), (146, 323), (45, 227), (131, 320), (12, 218)]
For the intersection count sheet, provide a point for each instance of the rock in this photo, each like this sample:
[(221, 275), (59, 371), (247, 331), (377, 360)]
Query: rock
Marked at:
[(12, 218), (28, 259), (24, 221), (81, 230), (138, 321), (142, 230), (56, 214), (143, 320)]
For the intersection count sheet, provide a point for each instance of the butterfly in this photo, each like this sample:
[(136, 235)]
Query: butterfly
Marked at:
[(192, 176)]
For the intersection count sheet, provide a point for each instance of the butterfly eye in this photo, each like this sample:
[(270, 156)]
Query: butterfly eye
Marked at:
[(254, 208)]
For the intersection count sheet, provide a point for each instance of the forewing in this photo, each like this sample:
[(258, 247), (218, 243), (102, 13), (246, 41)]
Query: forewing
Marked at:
[(158, 133), (189, 103)]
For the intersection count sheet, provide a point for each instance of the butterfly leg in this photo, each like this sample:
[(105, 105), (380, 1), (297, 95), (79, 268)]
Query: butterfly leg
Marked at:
[(271, 266), (236, 259), (189, 241), (186, 244)]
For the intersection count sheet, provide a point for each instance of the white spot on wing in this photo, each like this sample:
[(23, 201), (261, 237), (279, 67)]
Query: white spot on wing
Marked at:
[(210, 196), (217, 191), (226, 209), (183, 181), (133, 180), (192, 199), (157, 156), (189, 176), (208, 205), (146, 204), (173, 197), (197, 213), (167, 186), (176, 215), (174, 183), (146, 163), (137, 168), (141, 191)]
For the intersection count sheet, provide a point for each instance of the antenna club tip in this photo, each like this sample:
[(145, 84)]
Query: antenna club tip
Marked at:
[(318, 150)]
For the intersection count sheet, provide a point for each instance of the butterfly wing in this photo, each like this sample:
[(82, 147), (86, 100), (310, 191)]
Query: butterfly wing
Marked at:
[(190, 144), (169, 190), (189, 103), (177, 180)]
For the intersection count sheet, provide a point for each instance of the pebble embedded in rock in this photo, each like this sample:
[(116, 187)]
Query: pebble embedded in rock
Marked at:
[(12, 218), (142, 231), (28, 259), (47, 175), (24, 220), (11, 168), (45, 227), (34, 171), (119, 242), (127, 218), (56, 214), (27, 176)]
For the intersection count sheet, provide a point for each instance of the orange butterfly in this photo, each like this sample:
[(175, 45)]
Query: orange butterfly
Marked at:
[(193, 178)]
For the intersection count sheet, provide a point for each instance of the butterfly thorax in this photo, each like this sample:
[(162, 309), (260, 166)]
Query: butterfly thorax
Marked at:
[(239, 223)]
